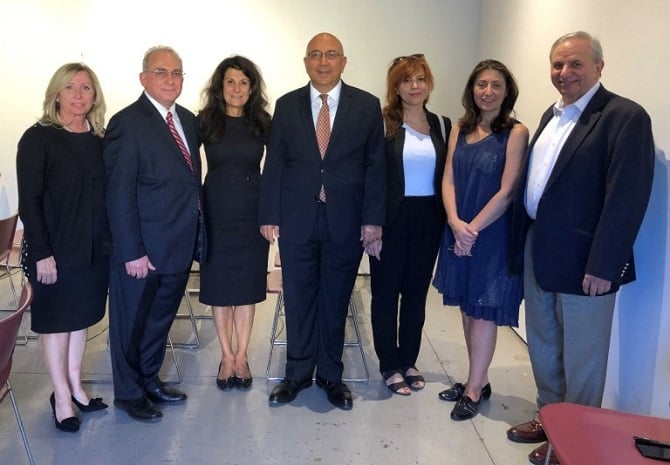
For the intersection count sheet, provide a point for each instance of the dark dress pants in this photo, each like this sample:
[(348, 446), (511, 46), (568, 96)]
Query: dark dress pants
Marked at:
[(410, 246), (318, 277), (141, 312)]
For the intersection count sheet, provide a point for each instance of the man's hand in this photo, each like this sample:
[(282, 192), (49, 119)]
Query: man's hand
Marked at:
[(594, 286), (374, 249), (370, 233), (139, 268)]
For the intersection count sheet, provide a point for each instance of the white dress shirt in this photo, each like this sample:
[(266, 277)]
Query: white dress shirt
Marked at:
[(548, 146), (175, 117), (333, 101)]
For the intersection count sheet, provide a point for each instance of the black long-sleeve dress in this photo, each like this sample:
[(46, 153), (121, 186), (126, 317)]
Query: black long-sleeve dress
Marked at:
[(60, 178)]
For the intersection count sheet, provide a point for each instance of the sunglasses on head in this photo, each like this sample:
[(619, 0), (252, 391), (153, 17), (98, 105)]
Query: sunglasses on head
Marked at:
[(416, 56)]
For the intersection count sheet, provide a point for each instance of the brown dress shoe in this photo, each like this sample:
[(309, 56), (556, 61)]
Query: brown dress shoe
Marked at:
[(539, 456), (529, 432)]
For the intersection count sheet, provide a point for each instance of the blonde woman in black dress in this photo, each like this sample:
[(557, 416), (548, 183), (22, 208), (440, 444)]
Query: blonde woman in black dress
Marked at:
[(234, 126), (60, 176)]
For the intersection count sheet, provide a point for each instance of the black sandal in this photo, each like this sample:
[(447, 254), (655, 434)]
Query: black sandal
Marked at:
[(411, 380), (395, 388)]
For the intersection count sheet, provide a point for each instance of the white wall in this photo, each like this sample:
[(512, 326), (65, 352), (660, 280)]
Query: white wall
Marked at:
[(111, 37), (635, 40)]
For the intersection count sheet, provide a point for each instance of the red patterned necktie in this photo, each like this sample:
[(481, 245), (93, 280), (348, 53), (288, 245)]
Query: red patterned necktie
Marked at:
[(179, 141), (323, 133)]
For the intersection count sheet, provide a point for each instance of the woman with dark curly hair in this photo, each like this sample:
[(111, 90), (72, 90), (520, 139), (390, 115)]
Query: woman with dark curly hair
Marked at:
[(234, 127)]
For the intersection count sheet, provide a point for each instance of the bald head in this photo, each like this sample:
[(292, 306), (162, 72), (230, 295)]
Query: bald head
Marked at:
[(324, 61), (324, 36)]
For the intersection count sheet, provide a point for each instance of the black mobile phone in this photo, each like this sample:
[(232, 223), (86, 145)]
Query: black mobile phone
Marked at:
[(653, 449)]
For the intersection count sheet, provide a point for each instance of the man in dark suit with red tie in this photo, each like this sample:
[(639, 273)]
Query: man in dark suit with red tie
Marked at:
[(323, 195), (579, 207), (153, 201)]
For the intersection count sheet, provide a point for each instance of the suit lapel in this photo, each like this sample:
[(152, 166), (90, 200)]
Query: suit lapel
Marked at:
[(162, 130), (305, 119), (585, 124), (190, 131), (344, 107)]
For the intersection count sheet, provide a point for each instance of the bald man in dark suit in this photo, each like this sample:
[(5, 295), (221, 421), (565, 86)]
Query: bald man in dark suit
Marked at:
[(326, 203)]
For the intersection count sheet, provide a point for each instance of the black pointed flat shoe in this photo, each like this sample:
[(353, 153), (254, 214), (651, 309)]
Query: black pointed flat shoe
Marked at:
[(93, 405)]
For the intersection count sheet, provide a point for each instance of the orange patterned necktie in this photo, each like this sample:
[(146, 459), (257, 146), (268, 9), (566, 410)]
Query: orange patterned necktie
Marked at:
[(323, 133)]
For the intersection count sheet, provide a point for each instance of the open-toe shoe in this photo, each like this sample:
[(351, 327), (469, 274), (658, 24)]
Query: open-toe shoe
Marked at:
[(416, 381), (401, 388)]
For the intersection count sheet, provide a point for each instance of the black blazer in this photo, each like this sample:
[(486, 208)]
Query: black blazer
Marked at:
[(353, 171), (595, 198), (152, 195), (395, 171)]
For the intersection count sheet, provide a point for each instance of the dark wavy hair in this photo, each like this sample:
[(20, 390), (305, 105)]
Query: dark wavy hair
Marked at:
[(401, 69), (212, 115), (505, 119)]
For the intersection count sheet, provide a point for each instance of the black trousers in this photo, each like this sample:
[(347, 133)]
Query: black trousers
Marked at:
[(141, 312), (318, 277), (403, 275)]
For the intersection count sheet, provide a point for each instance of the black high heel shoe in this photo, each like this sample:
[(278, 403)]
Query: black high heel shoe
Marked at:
[(244, 383), (70, 424), (224, 384), (93, 405)]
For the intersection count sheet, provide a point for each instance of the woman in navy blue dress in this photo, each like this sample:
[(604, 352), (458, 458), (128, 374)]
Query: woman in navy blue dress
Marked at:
[(484, 157), (234, 126)]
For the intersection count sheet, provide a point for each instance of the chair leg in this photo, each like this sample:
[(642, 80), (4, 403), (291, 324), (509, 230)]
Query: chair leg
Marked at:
[(547, 459), (353, 314), (19, 421), (170, 345), (273, 335), (191, 316)]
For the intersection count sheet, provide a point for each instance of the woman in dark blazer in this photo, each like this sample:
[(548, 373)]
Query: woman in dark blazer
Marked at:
[(60, 177), (415, 149)]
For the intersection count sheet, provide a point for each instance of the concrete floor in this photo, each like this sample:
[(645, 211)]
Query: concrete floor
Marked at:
[(239, 427)]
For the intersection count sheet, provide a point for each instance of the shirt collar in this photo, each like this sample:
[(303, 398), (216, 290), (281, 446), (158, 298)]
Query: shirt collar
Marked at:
[(333, 93), (579, 105), (161, 109)]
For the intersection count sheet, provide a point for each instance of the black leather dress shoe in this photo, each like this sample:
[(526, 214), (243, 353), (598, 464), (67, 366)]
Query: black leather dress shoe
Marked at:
[(454, 393), (338, 393), (287, 390), (140, 408), (165, 394)]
